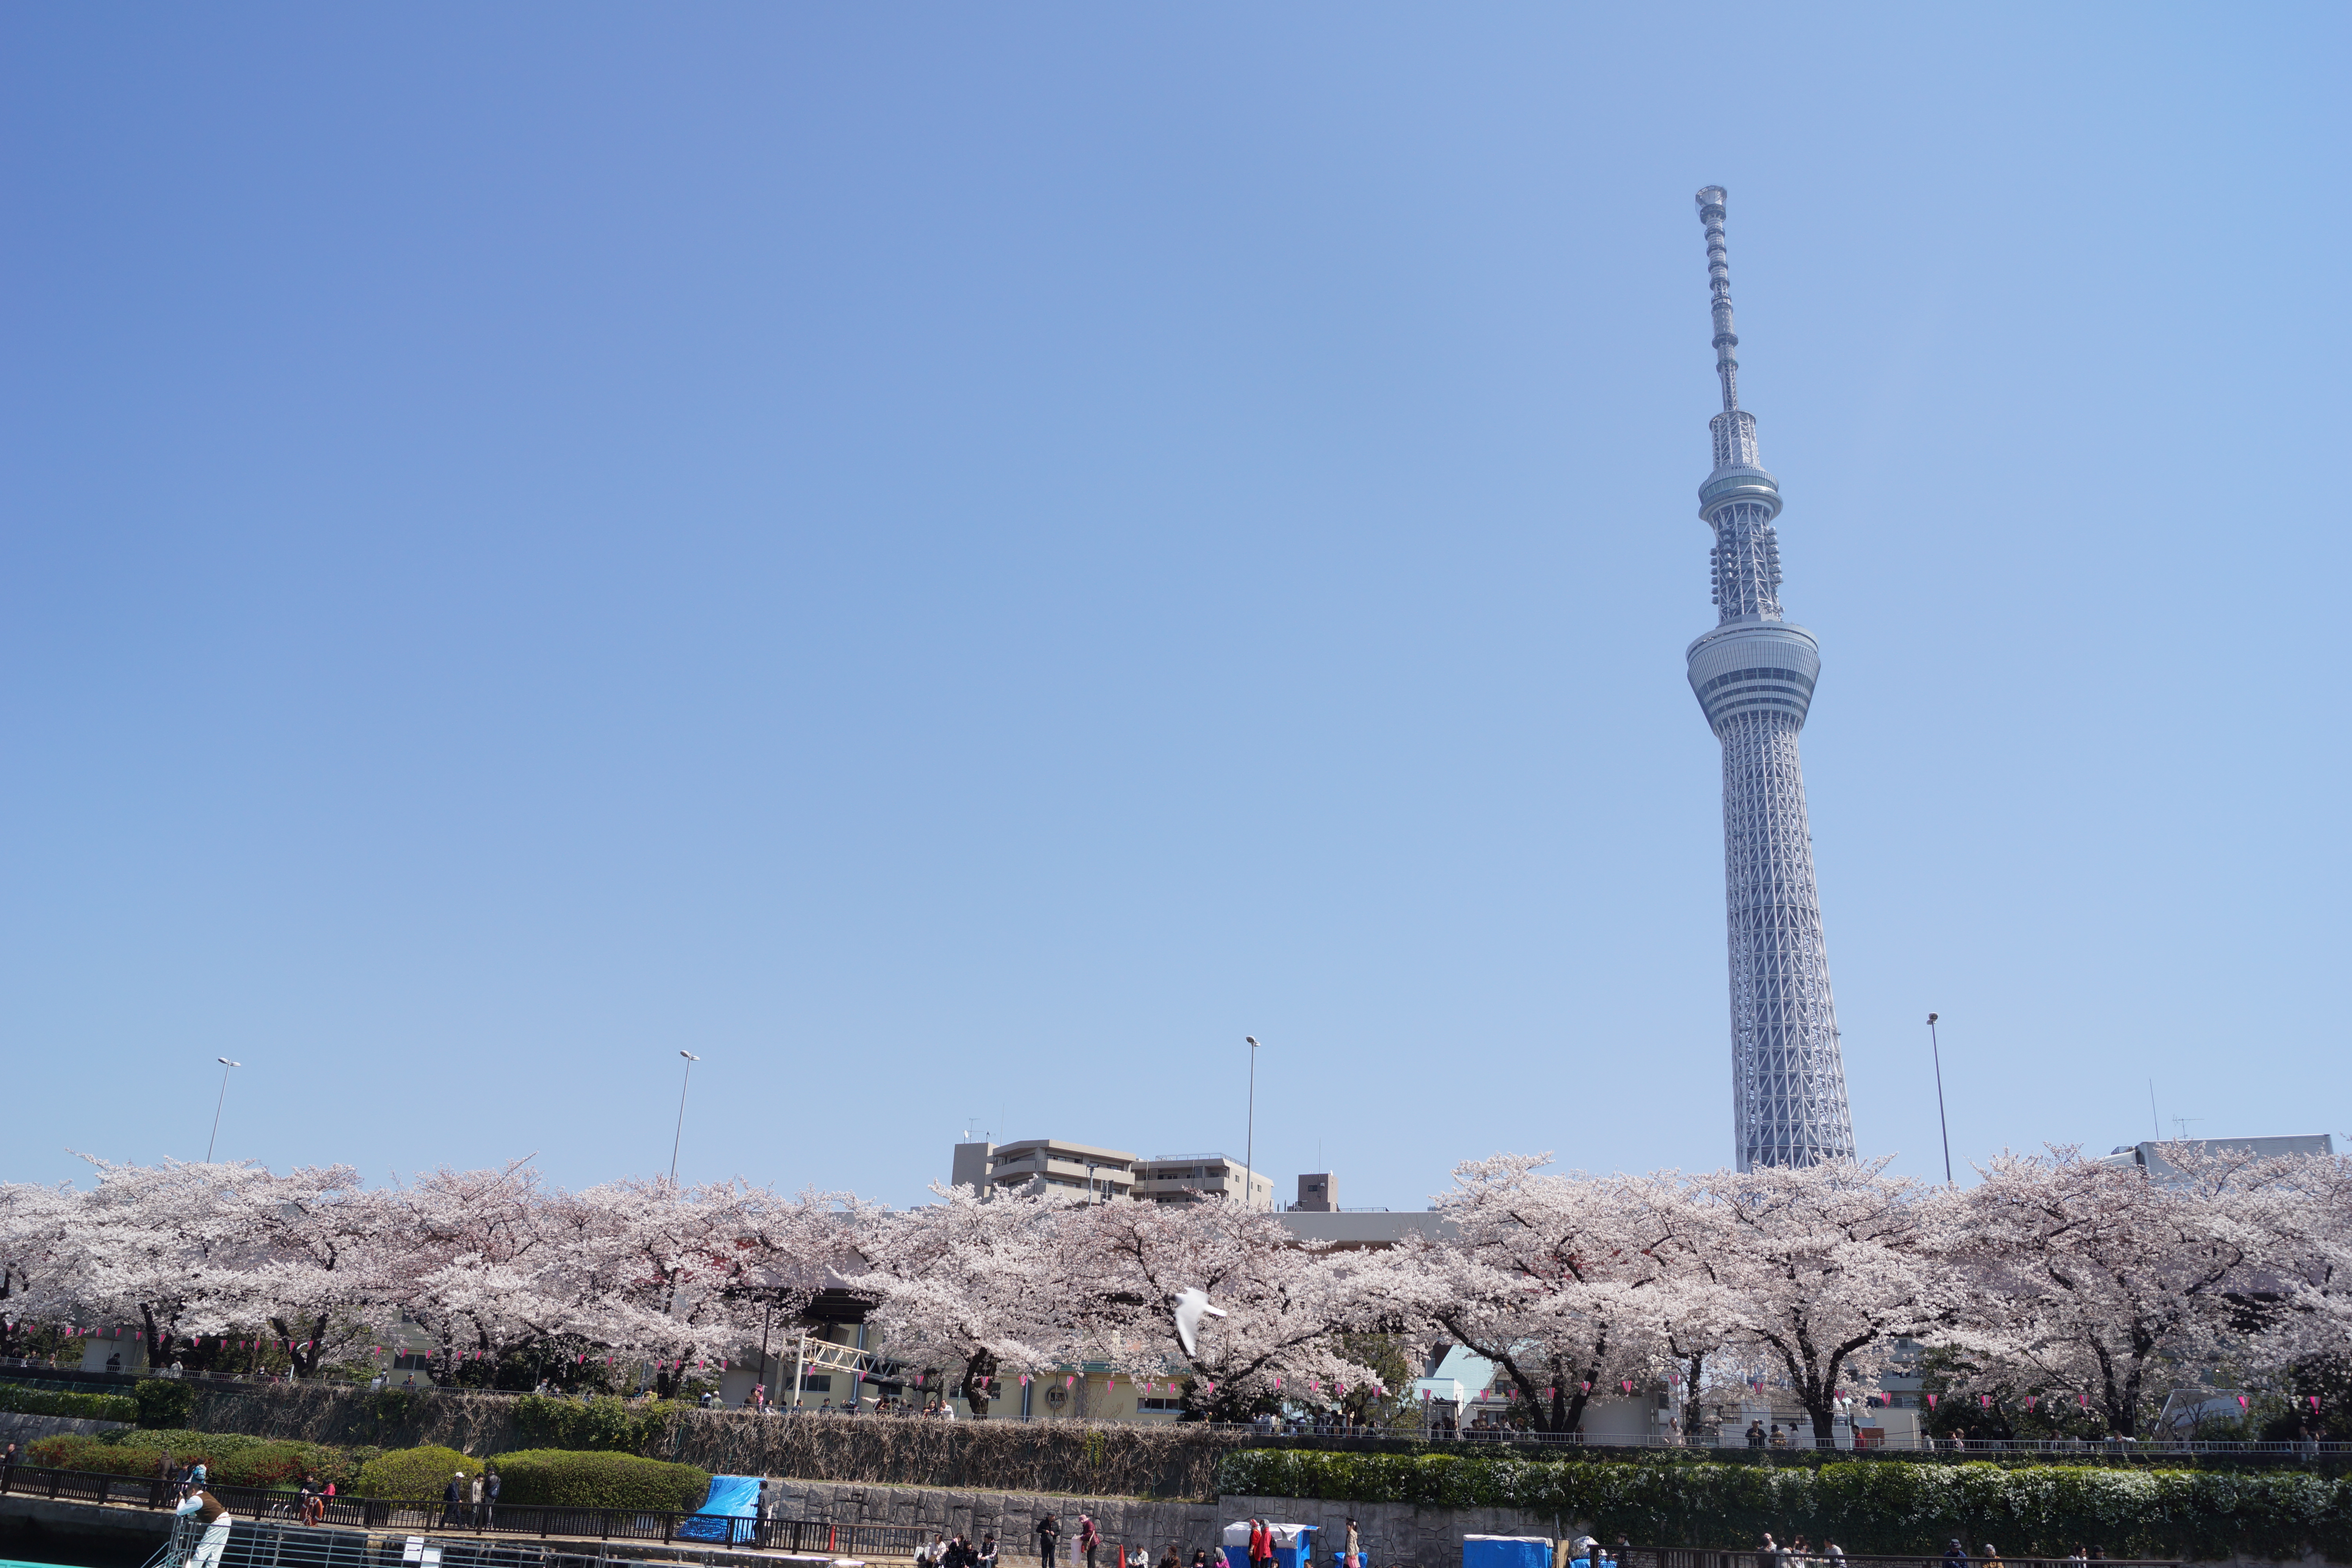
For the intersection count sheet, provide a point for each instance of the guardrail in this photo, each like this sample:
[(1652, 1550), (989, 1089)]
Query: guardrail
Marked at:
[(1694, 1557), (2079, 1448), (267, 1505)]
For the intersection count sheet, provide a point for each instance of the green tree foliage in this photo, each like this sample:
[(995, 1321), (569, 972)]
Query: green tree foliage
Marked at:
[(603, 1425), (165, 1403)]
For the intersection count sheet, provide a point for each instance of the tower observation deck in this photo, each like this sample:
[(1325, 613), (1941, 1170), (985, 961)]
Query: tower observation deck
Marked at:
[(1754, 676)]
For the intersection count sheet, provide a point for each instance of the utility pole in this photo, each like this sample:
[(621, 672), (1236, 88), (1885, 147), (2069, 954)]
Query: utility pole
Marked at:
[(225, 1065), (1249, 1138), (690, 1059), (1935, 1046)]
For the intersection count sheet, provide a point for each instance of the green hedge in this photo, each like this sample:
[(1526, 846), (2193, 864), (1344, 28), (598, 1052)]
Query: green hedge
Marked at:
[(604, 1425), (415, 1473), (568, 1479), (164, 1402), (228, 1458), (89, 1406), (2044, 1511)]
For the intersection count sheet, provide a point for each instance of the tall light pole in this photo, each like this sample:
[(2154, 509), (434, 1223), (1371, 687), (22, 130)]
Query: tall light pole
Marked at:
[(690, 1059), (225, 1065), (1934, 1045), (1249, 1138)]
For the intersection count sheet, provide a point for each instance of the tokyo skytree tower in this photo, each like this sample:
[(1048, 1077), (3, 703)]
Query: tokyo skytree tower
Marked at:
[(1754, 678)]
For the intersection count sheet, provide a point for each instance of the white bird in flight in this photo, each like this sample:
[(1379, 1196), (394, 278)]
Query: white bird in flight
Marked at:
[(1192, 1303)]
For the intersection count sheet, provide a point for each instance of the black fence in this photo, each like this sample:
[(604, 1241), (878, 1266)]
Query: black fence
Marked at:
[(1699, 1557)]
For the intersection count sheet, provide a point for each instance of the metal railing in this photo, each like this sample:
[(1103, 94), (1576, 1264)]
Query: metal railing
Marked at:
[(263, 1505), (1803, 1442), (1697, 1557)]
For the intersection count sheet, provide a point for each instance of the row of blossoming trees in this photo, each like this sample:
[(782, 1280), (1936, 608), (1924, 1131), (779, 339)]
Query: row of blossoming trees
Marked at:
[(2053, 1279)]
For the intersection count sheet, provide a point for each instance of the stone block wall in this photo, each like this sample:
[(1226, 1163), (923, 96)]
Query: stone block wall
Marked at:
[(1395, 1535), (1152, 1523)]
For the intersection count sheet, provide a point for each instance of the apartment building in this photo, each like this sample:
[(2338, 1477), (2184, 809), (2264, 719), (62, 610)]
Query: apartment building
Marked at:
[(1034, 1164)]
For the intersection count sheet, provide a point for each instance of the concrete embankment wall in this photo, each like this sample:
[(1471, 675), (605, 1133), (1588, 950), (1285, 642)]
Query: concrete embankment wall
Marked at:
[(35, 1530), (1397, 1535), (20, 1429)]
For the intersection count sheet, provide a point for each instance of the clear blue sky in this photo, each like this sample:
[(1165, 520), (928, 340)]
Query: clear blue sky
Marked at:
[(955, 561)]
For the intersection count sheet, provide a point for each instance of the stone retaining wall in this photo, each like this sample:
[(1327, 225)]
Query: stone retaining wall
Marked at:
[(1013, 1516), (19, 1429), (1395, 1535)]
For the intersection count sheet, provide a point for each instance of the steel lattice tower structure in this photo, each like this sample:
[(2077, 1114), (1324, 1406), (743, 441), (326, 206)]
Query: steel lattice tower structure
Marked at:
[(1754, 678)]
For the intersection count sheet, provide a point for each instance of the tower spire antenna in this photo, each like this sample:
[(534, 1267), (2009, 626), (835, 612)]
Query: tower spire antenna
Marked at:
[(1719, 286), (1754, 676)]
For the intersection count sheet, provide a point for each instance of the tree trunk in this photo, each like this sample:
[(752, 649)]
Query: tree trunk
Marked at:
[(981, 1367), (1695, 1362)]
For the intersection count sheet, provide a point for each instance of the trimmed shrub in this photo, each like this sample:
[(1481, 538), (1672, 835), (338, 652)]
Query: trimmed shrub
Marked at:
[(414, 1474), (2032, 1510), (563, 1478), (228, 1458), (47, 1401), (165, 1403)]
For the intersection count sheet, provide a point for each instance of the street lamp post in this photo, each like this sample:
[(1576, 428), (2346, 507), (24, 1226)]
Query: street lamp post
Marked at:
[(1946, 1126), (223, 1100), (1249, 1138), (690, 1059)]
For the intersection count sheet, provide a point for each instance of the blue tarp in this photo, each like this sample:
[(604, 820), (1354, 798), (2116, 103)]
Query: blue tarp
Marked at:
[(1506, 1551), (731, 1514)]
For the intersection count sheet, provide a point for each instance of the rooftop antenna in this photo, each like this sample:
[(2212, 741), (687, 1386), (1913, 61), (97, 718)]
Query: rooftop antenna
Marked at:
[(2152, 1122)]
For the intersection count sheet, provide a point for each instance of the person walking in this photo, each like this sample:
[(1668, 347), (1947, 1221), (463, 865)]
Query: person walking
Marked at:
[(1049, 1541), (1261, 1545), (1756, 1434), (476, 1511), (1089, 1538), (1992, 1558), (9, 1461), (453, 1500), (490, 1501), (1955, 1554), (1352, 1548)]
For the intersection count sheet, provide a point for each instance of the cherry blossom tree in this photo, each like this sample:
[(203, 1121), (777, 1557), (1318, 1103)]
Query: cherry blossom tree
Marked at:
[(2085, 1275), (158, 1246), (971, 1282), (39, 1259), (1825, 1270), (1122, 1263), (1562, 1282), (306, 1254)]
